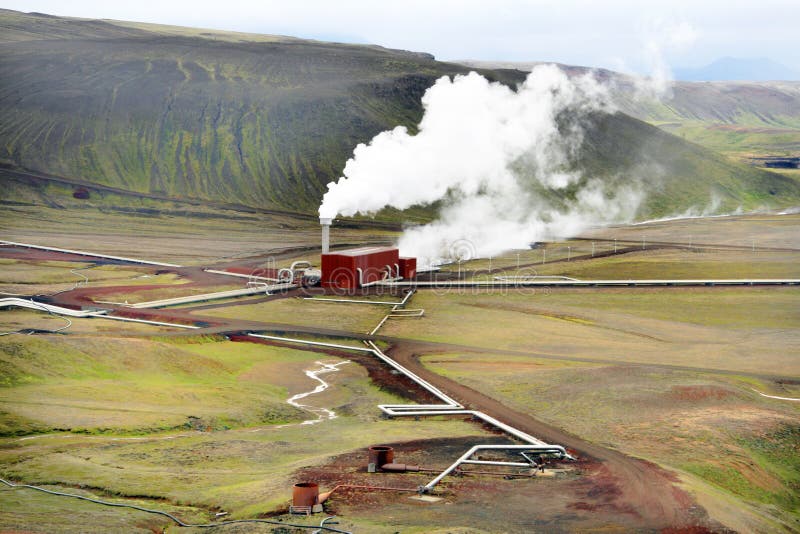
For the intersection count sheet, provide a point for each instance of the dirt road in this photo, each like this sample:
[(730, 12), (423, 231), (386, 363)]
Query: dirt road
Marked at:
[(616, 482)]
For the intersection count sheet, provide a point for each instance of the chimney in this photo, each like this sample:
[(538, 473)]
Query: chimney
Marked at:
[(326, 233)]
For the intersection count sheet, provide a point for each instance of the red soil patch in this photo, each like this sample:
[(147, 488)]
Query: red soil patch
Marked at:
[(699, 393), (688, 530), (32, 254)]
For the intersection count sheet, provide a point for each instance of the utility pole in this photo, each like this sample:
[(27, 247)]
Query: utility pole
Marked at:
[(569, 253), (544, 255), (593, 249)]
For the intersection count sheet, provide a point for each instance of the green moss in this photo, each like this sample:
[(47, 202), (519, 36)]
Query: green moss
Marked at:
[(778, 452)]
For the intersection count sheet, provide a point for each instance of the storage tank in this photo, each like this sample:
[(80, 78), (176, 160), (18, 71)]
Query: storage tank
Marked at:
[(305, 494), (379, 455)]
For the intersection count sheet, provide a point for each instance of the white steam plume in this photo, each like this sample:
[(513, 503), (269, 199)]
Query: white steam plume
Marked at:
[(493, 156), (660, 37)]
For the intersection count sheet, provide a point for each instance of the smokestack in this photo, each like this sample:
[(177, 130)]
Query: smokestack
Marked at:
[(326, 233)]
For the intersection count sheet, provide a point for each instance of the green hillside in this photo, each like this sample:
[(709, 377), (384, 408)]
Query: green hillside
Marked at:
[(678, 176), (263, 121), (740, 119)]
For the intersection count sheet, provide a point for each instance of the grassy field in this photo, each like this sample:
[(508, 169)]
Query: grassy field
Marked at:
[(747, 231), (198, 425), (708, 427), (100, 384), (753, 330), (740, 141), (203, 423), (633, 261), (358, 318), (179, 233), (13, 319), (43, 277), (681, 264)]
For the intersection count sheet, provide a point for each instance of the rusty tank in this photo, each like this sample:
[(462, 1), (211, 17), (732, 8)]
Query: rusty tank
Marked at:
[(379, 455), (305, 494)]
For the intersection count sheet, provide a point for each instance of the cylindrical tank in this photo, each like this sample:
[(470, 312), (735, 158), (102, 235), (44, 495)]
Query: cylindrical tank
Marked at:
[(380, 455), (305, 494)]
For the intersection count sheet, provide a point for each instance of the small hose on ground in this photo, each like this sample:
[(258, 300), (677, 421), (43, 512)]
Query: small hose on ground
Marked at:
[(167, 514)]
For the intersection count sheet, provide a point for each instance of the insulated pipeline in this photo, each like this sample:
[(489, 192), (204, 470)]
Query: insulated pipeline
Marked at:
[(167, 514), (449, 406)]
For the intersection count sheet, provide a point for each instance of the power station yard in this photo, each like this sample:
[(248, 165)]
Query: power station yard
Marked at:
[(656, 389)]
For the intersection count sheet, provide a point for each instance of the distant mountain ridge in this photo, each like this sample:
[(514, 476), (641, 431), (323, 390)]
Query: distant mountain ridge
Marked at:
[(268, 121), (742, 119), (738, 69)]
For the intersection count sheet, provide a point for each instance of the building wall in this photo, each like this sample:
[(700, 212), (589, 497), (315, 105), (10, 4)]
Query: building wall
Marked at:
[(339, 269), (408, 268)]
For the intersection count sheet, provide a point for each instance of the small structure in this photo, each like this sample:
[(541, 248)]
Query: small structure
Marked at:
[(408, 268), (359, 267), (305, 498), (381, 458), (363, 266), (379, 455)]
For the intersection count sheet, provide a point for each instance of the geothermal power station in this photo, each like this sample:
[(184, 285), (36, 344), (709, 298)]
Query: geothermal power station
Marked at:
[(363, 266)]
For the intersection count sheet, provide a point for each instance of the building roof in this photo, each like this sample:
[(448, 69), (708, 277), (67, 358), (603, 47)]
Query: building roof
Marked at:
[(362, 251)]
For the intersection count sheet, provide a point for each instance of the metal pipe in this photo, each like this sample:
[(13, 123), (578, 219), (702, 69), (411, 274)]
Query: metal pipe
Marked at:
[(450, 407), (238, 275), (326, 233), (591, 283), (464, 457), (90, 254), (167, 514), (306, 342), (490, 462), (32, 304), (353, 301)]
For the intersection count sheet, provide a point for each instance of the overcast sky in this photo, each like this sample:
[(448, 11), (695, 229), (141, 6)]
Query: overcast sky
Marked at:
[(618, 34)]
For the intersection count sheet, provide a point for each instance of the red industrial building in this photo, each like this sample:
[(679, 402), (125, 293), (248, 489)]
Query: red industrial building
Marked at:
[(408, 268), (356, 267)]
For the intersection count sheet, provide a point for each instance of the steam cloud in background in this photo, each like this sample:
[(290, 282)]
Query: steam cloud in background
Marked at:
[(488, 153)]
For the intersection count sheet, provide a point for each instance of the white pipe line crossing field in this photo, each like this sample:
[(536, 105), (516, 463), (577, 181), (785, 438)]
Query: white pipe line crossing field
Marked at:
[(448, 407)]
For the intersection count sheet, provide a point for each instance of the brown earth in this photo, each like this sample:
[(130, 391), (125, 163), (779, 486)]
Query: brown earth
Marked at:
[(615, 483)]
